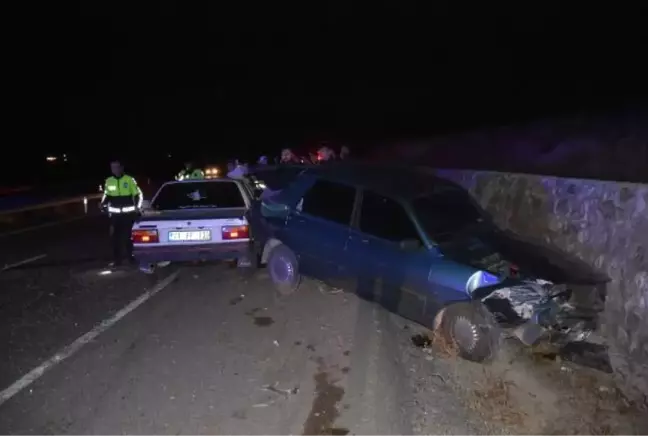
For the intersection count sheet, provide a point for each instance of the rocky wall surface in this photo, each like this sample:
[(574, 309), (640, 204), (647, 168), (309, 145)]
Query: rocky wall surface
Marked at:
[(605, 224)]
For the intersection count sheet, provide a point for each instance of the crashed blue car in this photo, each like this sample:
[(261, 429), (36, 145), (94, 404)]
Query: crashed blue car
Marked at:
[(420, 246)]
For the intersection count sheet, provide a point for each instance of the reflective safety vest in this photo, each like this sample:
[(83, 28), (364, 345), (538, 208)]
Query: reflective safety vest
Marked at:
[(190, 175), (122, 195)]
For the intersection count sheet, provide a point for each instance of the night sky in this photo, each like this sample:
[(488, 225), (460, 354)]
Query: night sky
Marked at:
[(138, 80)]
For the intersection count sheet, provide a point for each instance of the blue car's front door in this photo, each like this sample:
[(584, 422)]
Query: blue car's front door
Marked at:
[(318, 228), (393, 273)]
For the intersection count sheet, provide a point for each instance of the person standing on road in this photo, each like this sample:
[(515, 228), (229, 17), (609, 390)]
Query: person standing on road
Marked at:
[(122, 199), (190, 173), (288, 157), (325, 154), (239, 171), (344, 153)]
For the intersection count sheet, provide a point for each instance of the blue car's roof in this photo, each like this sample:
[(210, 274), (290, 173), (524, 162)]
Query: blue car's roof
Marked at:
[(392, 180)]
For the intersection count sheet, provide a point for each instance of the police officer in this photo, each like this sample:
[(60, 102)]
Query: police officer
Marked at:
[(122, 199), (189, 172)]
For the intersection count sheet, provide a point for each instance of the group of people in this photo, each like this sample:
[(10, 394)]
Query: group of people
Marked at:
[(324, 154), (238, 169)]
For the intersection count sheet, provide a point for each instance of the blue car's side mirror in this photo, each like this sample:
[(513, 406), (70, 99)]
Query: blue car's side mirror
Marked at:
[(274, 210)]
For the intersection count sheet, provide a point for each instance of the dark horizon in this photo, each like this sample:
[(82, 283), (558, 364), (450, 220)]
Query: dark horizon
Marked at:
[(137, 83)]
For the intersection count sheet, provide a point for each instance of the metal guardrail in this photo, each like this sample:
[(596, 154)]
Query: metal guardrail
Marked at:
[(79, 199)]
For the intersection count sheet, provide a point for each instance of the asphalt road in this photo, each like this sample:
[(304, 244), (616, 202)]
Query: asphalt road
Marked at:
[(201, 351)]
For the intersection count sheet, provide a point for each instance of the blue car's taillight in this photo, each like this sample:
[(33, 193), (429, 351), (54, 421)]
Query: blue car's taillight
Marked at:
[(479, 280)]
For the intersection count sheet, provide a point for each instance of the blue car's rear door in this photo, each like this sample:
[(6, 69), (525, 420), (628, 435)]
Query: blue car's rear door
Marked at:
[(318, 228)]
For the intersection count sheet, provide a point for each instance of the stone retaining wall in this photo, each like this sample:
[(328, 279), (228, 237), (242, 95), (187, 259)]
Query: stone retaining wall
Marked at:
[(604, 224)]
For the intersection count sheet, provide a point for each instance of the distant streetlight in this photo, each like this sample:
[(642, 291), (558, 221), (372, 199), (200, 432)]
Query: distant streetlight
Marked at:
[(51, 158)]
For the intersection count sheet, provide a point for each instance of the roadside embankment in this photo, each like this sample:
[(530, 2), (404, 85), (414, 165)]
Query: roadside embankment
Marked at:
[(17, 220)]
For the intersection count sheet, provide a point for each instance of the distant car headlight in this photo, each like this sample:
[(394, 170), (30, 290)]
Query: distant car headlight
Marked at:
[(479, 280)]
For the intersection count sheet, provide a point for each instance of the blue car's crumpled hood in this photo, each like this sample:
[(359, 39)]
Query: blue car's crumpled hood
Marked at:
[(505, 254)]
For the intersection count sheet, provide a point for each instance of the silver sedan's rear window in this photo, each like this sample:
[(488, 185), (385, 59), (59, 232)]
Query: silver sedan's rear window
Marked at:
[(190, 195)]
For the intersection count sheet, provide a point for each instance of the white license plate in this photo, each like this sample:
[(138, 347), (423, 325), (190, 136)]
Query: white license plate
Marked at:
[(201, 235)]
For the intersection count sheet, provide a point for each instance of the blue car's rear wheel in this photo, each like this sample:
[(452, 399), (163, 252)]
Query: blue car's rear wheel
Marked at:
[(283, 268), (471, 328)]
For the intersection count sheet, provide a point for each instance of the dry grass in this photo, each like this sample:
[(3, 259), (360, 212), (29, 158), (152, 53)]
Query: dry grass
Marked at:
[(512, 399), (493, 400), (443, 347), (524, 392)]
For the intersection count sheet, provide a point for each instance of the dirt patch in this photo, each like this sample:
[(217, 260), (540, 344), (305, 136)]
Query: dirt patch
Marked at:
[(421, 341), (324, 411), (263, 321), (435, 344), (525, 393)]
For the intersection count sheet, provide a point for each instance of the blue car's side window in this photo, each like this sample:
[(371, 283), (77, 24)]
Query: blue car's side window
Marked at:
[(385, 218), (330, 201)]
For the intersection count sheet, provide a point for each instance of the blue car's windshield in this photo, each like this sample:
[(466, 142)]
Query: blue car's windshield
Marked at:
[(446, 214)]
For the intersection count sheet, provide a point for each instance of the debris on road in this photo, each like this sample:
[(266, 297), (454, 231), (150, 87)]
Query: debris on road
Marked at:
[(236, 300), (263, 321), (283, 392), (326, 289)]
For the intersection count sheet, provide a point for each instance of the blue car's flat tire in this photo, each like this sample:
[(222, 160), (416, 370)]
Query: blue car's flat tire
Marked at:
[(472, 329), (283, 268)]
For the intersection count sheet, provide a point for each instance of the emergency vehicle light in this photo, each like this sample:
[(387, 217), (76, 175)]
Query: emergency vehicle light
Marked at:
[(147, 236), (235, 232)]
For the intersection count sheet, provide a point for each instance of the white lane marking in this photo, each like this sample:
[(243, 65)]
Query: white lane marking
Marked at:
[(23, 262), (42, 226), (75, 346)]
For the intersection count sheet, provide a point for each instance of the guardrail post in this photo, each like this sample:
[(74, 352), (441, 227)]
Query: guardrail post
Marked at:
[(85, 205)]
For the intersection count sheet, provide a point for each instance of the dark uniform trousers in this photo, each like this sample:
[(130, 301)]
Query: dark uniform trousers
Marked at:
[(121, 225)]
